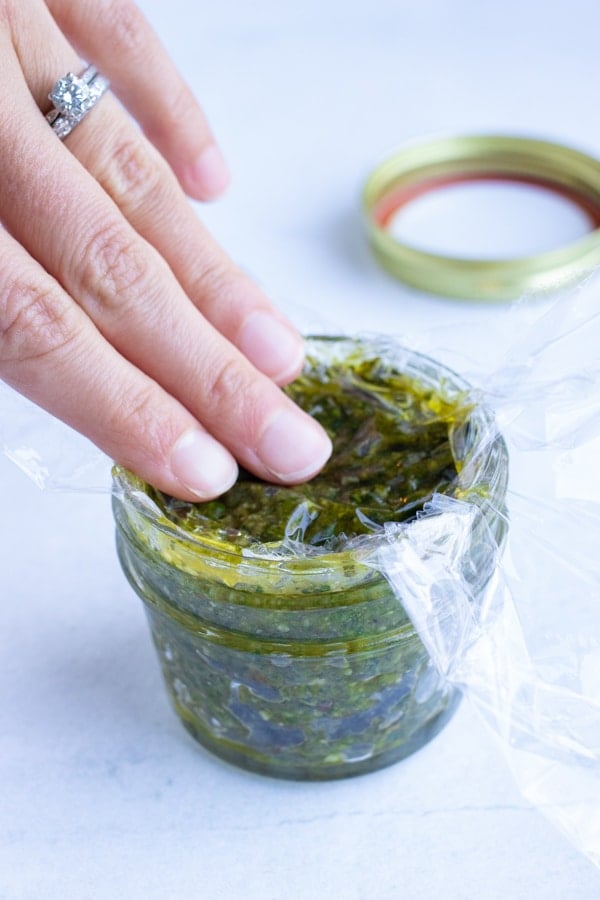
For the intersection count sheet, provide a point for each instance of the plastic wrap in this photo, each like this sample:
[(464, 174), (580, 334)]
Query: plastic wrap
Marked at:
[(503, 590)]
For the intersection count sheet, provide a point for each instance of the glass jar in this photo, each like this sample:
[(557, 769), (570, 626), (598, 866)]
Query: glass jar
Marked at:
[(302, 666)]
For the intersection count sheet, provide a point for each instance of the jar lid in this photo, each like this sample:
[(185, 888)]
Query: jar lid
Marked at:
[(424, 167)]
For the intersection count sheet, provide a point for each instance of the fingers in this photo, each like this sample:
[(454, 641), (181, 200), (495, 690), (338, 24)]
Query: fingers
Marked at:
[(140, 184), (115, 36), (143, 186), (130, 293), (51, 352)]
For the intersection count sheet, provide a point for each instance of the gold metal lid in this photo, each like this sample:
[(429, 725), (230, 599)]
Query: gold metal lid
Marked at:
[(427, 166)]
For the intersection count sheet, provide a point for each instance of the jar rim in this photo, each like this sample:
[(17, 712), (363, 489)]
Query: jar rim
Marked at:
[(429, 165), (477, 447)]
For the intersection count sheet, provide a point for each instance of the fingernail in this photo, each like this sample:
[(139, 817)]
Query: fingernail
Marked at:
[(271, 346), (210, 173), (293, 447), (202, 465)]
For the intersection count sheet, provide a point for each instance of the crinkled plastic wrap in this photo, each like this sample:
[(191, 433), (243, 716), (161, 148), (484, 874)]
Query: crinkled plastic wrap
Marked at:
[(526, 650), (503, 588), (282, 650)]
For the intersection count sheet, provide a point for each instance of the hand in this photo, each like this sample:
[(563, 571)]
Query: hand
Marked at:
[(118, 313)]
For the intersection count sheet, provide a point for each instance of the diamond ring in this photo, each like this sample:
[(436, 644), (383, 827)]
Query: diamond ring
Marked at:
[(72, 98)]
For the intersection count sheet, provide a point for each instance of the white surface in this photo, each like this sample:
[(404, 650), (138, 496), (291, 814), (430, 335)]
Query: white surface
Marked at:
[(429, 223), (105, 796), (102, 794)]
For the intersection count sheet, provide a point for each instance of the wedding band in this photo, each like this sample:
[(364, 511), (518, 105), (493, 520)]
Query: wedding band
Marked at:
[(73, 97)]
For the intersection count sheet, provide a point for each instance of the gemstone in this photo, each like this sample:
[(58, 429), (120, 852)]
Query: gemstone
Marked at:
[(71, 96), (63, 126)]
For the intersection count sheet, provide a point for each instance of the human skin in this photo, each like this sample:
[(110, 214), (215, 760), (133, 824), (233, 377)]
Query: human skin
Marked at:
[(118, 311)]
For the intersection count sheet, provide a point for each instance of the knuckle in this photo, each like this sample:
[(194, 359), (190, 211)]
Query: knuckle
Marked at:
[(181, 103), (213, 277), (34, 322), (128, 32), (113, 266), (233, 388), (138, 176), (134, 417), (229, 380), (142, 427)]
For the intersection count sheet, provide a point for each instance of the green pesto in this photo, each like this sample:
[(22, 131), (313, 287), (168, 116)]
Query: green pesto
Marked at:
[(390, 436), (281, 650)]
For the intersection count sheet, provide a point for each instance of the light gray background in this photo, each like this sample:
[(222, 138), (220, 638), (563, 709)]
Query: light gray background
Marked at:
[(102, 794)]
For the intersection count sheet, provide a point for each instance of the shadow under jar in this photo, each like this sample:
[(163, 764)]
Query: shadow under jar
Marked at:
[(282, 650)]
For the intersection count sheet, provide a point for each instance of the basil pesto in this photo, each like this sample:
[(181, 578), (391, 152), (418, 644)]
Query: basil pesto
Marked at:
[(391, 451), (281, 650)]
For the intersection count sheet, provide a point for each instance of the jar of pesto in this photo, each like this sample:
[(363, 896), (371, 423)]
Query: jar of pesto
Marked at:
[(282, 650)]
